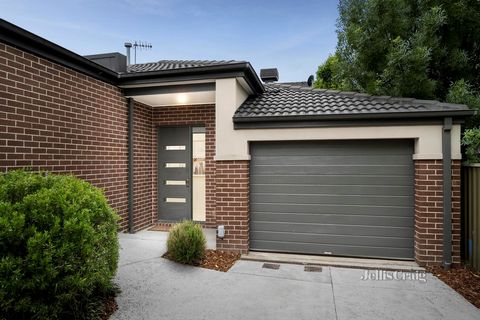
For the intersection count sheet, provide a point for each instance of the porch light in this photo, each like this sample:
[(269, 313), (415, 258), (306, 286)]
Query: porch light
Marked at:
[(182, 98)]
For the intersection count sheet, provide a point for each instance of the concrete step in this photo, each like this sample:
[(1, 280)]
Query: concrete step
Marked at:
[(360, 263)]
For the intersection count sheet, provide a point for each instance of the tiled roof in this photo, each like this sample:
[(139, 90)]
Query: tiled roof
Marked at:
[(176, 64), (292, 101)]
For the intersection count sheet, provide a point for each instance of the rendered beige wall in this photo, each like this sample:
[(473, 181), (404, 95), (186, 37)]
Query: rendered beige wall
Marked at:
[(233, 144)]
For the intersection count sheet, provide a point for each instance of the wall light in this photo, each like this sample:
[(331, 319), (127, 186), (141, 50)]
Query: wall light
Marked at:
[(221, 232)]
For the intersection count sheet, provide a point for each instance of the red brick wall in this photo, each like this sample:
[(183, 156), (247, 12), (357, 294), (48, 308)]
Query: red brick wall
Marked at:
[(195, 115), (53, 118), (144, 168), (233, 204), (429, 212)]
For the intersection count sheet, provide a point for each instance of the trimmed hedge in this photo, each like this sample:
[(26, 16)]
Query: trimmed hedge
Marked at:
[(186, 242), (58, 247)]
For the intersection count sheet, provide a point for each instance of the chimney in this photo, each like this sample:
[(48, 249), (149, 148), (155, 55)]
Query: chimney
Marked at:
[(269, 75), (114, 61)]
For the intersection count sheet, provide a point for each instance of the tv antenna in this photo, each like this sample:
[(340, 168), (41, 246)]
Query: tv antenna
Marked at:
[(140, 45)]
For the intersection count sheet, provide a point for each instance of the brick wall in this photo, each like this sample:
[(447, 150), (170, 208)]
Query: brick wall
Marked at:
[(144, 169), (195, 115), (233, 204), (53, 118), (429, 212)]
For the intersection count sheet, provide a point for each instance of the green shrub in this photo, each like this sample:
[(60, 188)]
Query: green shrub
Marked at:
[(186, 242), (58, 247), (471, 141)]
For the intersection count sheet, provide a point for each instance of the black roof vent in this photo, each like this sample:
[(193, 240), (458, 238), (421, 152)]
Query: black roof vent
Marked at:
[(269, 75)]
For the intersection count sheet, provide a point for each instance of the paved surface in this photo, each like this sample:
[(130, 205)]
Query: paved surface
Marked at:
[(155, 288)]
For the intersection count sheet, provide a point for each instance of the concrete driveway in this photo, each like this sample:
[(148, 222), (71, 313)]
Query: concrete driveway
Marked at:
[(155, 288)]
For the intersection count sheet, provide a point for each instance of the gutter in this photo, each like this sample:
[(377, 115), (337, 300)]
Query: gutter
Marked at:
[(131, 110), (447, 192), (359, 116)]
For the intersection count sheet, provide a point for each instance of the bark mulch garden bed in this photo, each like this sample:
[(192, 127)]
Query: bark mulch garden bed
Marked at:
[(215, 259), (110, 306), (464, 281)]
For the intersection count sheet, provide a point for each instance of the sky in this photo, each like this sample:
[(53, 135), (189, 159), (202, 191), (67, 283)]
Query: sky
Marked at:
[(293, 36)]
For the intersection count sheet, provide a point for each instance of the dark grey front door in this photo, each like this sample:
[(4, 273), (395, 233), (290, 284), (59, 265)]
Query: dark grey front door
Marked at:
[(174, 173), (350, 198)]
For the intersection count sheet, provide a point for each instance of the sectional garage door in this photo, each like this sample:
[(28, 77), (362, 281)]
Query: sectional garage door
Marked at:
[(347, 198)]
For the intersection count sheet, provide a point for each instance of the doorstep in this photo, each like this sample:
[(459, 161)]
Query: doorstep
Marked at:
[(331, 261)]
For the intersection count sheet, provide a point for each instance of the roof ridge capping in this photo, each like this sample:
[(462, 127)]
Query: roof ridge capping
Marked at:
[(195, 63)]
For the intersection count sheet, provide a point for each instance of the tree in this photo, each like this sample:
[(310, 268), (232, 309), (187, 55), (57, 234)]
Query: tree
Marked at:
[(328, 74), (412, 48)]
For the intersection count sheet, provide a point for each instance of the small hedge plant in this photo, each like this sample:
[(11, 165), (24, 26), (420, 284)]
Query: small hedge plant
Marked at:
[(186, 242), (58, 247)]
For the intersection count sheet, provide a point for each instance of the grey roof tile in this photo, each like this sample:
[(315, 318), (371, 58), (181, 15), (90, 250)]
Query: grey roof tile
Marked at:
[(287, 100), (176, 64)]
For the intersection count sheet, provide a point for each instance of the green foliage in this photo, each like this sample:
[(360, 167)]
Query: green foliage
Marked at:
[(186, 242), (471, 141), (405, 47), (328, 74), (462, 92), (58, 247)]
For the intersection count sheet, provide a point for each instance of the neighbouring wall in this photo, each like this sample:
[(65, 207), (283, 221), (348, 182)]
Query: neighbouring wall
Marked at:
[(53, 118)]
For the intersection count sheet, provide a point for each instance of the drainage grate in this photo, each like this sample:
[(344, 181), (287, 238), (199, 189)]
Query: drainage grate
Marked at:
[(271, 266), (312, 269)]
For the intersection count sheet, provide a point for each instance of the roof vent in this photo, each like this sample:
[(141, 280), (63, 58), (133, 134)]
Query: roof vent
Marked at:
[(269, 75)]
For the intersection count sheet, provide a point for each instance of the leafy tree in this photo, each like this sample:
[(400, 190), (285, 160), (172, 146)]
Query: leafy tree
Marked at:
[(462, 92), (414, 48), (328, 74), (471, 141), (428, 49)]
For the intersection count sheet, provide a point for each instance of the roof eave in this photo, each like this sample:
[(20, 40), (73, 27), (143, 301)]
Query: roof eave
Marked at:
[(242, 69)]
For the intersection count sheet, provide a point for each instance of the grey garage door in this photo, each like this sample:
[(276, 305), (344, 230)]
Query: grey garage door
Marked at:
[(347, 198)]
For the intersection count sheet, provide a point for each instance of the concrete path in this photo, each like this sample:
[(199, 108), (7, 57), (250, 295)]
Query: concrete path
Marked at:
[(155, 288)]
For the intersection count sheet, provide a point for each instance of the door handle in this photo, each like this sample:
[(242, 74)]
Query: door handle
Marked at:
[(188, 183)]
